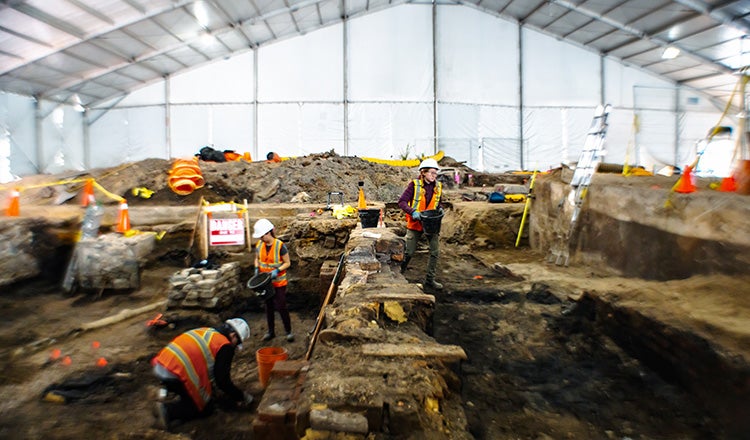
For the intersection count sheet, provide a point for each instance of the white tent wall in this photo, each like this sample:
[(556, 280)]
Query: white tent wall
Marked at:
[(127, 135), (62, 142), (365, 87), (300, 94), (390, 130), (18, 156), (298, 129), (389, 56)]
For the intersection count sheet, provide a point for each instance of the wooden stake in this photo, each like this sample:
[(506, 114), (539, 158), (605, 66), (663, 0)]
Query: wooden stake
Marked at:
[(192, 235)]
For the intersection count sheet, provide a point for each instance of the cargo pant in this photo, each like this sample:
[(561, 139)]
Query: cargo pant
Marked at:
[(412, 237)]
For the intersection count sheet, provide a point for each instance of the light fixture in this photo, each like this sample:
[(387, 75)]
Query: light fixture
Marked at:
[(670, 53)]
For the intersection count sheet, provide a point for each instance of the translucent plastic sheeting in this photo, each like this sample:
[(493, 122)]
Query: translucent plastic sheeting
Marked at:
[(619, 143), (463, 128), (62, 144), (153, 94), (127, 135), (557, 73), (655, 141), (223, 127), (390, 55), (305, 68), (654, 98), (16, 136), (390, 131), (223, 81), (300, 129), (477, 57), (620, 81)]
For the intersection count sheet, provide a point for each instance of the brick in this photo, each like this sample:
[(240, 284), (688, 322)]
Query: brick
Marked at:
[(287, 368)]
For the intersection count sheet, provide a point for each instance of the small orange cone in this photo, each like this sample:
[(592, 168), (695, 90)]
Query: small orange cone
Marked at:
[(95, 345), (123, 219), (55, 355), (685, 183), (88, 193), (14, 205), (67, 361), (101, 362), (728, 184)]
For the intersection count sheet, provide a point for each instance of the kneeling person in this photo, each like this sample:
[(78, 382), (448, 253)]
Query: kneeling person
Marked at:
[(188, 364)]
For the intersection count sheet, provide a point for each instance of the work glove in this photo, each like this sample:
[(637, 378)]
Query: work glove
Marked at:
[(275, 273), (416, 215), (256, 272)]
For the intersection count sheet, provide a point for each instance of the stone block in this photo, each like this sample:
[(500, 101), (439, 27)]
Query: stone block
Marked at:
[(335, 421)]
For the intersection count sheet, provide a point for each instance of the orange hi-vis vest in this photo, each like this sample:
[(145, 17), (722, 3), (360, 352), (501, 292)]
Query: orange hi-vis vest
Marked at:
[(418, 202), (268, 261), (191, 357)]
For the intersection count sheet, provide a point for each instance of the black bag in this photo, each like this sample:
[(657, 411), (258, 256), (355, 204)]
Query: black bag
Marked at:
[(210, 155)]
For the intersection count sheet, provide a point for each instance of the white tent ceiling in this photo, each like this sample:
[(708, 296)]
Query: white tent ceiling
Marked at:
[(91, 51)]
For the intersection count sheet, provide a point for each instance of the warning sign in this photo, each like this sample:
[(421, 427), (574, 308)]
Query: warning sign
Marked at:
[(226, 231)]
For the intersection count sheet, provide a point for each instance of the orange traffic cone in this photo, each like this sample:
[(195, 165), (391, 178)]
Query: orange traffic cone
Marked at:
[(728, 184), (685, 183), (87, 196), (123, 219), (14, 205)]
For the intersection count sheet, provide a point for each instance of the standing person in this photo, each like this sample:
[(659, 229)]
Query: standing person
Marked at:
[(271, 255), (422, 194), (191, 361)]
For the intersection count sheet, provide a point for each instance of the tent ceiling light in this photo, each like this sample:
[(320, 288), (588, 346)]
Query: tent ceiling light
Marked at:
[(670, 53)]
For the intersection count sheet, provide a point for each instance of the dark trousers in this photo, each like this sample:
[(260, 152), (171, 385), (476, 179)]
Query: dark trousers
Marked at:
[(183, 408), (278, 303)]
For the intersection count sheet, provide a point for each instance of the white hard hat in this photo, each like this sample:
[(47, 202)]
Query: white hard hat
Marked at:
[(429, 163), (240, 327), (262, 227)]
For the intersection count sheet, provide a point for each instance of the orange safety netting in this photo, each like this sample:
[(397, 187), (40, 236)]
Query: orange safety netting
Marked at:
[(185, 176)]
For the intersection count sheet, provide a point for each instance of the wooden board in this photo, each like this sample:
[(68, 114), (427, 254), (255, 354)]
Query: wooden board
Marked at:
[(448, 353)]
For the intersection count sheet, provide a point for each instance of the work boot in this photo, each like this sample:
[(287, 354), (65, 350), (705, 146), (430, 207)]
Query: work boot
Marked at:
[(405, 264), (162, 418), (432, 284), (268, 336)]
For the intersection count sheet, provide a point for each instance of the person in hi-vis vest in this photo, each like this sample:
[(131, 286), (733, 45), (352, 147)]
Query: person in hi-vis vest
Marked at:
[(271, 255), (420, 195), (191, 364)]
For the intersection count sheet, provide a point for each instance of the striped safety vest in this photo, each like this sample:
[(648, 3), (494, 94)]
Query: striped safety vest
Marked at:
[(268, 261), (191, 357), (418, 202)]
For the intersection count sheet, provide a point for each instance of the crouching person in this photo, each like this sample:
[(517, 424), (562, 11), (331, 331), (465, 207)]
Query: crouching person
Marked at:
[(188, 364)]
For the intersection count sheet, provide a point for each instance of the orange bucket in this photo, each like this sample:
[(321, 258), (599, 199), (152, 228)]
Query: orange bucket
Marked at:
[(266, 357)]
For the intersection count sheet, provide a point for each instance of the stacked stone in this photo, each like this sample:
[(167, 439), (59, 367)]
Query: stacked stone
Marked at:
[(112, 261), (212, 289)]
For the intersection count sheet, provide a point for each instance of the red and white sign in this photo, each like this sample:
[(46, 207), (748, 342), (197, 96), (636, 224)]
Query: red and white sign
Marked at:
[(226, 231)]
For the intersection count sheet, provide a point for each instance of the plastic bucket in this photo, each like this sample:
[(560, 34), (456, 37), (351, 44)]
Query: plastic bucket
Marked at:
[(431, 221), (369, 217), (266, 357), (262, 286)]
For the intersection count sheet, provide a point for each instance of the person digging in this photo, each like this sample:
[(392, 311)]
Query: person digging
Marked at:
[(188, 365)]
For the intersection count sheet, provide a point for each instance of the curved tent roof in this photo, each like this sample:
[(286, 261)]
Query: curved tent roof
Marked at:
[(90, 51)]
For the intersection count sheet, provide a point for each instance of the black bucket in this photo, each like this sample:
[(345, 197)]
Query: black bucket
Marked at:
[(262, 286), (431, 221), (369, 217)]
